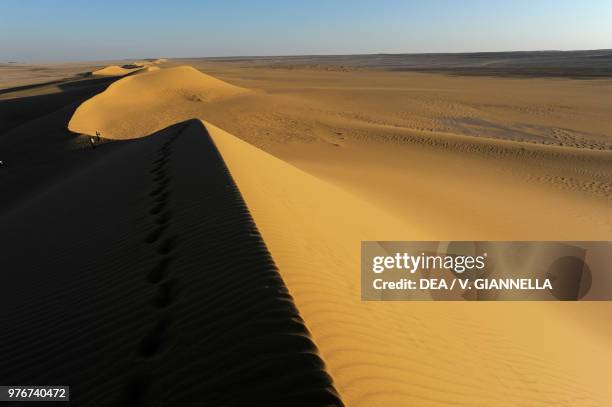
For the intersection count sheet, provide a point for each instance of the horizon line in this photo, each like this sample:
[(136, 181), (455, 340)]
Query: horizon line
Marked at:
[(67, 60)]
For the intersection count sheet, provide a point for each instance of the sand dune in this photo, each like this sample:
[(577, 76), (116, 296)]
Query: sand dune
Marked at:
[(536, 176), (401, 353), (170, 296), (164, 96), (137, 66), (114, 70), (151, 68), (155, 61)]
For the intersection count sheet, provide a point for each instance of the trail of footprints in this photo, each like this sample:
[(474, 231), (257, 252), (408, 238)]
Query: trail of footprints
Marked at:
[(271, 341), (163, 243)]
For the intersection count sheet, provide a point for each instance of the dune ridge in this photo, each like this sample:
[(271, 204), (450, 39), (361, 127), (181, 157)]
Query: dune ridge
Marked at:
[(137, 66), (114, 70), (164, 96), (170, 297)]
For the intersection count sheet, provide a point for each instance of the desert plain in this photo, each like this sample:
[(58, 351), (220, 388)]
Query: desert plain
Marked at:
[(202, 218)]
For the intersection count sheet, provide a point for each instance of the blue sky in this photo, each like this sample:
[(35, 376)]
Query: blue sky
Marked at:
[(45, 30)]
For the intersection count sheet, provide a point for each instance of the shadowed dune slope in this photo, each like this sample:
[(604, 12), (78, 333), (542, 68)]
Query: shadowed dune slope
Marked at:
[(36, 147), (150, 285), (164, 96), (19, 107)]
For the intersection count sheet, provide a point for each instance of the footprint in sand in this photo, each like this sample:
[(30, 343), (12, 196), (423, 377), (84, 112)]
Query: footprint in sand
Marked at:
[(167, 245), (155, 340), (158, 272), (155, 234), (165, 294)]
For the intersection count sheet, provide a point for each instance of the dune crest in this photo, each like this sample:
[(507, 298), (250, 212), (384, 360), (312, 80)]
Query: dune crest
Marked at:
[(136, 66), (115, 70), (163, 96), (170, 286)]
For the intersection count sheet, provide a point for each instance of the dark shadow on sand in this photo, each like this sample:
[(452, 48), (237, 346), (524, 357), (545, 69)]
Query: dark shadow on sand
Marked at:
[(97, 295), (18, 110)]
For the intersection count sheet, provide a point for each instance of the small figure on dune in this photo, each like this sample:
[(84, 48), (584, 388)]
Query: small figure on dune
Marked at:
[(93, 141)]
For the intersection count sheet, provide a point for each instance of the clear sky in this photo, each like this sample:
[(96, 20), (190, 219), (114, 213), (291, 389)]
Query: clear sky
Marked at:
[(45, 30)]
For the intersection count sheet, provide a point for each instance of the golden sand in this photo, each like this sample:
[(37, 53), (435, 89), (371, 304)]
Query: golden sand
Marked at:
[(389, 354), (114, 70), (144, 103), (346, 128)]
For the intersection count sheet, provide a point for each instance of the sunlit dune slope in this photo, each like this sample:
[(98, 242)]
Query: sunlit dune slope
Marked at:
[(114, 70), (395, 354), (136, 66), (141, 104)]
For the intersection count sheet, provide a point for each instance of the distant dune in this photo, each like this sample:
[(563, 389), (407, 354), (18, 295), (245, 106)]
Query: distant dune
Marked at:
[(114, 70), (164, 97), (136, 66), (154, 61), (151, 68)]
